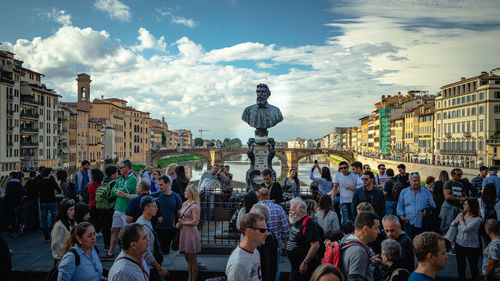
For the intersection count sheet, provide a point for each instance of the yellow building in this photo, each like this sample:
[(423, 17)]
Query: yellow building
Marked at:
[(425, 133), (160, 137), (364, 135), (181, 136)]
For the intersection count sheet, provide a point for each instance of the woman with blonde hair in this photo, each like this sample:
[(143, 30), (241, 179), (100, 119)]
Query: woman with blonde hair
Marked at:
[(327, 272), (189, 238), (171, 171), (364, 207)]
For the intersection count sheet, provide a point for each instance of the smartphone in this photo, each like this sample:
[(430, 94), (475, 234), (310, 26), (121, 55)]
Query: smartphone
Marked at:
[(315, 161)]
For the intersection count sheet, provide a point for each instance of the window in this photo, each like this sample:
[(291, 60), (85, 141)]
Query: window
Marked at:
[(463, 99), (474, 97), (497, 108), (473, 126), (468, 98), (497, 125), (473, 111), (481, 110), (481, 125), (497, 94), (481, 96)]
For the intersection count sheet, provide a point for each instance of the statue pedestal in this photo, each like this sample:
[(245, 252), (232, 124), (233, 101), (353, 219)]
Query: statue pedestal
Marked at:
[(261, 153)]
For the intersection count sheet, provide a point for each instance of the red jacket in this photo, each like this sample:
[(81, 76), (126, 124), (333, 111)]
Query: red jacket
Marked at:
[(91, 189)]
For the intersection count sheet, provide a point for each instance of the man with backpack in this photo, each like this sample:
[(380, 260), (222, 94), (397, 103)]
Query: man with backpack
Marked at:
[(353, 253), (382, 177), (105, 203), (392, 188), (303, 246)]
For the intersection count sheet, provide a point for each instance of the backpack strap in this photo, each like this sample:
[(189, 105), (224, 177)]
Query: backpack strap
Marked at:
[(396, 271), (355, 243), (144, 273), (77, 256), (306, 218)]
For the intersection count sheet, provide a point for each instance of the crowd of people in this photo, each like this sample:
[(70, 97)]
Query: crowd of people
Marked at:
[(360, 226), (366, 226)]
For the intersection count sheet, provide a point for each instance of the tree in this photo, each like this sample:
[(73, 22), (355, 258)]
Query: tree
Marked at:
[(226, 142), (318, 145), (235, 143), (198, 142), (211, 144)]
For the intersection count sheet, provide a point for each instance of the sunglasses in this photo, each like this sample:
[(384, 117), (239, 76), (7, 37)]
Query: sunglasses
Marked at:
[(366, 179), (342, 168), (262, 230), (71, 202), (458, 175), (122, 167)]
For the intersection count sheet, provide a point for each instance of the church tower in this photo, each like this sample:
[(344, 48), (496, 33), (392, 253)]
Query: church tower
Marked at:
[(83, 89)]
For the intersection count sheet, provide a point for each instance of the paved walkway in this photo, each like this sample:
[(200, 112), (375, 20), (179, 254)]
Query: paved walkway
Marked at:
[(33, 256)]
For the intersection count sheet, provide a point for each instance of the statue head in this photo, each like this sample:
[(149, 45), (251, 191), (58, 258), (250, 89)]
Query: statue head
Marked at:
[(263, 94)]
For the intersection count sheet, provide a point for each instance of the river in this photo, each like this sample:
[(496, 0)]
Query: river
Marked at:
[(239, 165)]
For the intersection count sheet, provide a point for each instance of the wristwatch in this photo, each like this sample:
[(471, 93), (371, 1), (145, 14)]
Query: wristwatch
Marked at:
[(306, 262)]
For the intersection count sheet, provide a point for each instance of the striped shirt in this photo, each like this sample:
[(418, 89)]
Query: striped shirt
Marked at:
[(277, 221)]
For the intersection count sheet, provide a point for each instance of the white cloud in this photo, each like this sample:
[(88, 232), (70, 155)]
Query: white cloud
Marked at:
[(167, 12), (115, 9), (148, 41), (59, 16)]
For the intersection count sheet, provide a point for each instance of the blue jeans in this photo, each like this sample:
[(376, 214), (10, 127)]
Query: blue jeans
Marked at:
[(14, 218), (209, 201), (390, 207), (45, 208), (278, 266), (346, 212)]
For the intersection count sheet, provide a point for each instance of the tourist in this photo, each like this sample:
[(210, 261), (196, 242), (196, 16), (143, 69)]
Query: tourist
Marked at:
[(82, 179), (327, 272), (393, 231), (63, 224), (149, 209), (345, 182), (493, 178), (491, 255), (277, 222), (206, 187), (438, 189), (154, 181), (47, 187), (430, 182), (292, 183), (368, 193), (489, 206), (30, 204), (381, 178), (393, 259), (467, 241), (431, 256), (82, 212), (325, 182), (354, 263), (68, 188), (134, 210), (81, 242), (326, 217), (244, 262), (106, 204), (249, 200), (130, 264), (147, 173), (126, 183), (312, 206), (366, 168), (454, 195), (411, 204), (477, 181), (189, 238), (96, 177), (303, 245), (169, 204), (357, 169), (171, 171), (274, 187), (391, 190), (180, 182), (403, 175), (364, 207), (226, 182), (14, 194), (268, 251)]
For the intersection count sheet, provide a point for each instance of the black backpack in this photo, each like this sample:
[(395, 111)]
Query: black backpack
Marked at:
[(54, 272), (397, 186)]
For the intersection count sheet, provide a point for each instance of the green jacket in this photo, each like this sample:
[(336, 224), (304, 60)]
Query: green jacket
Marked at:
[(129, 186)]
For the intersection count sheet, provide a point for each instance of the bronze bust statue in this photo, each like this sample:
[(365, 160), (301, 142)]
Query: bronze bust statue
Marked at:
[(262, 115)]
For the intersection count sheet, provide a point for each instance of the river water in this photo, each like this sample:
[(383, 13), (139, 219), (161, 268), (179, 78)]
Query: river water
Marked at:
[(239, 165)]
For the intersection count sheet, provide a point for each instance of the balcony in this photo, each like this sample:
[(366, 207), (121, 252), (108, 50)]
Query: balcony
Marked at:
[(27, 156), (10, 129), (467, 134), (29, 115), (28, 144), (10, 98), (28, 130), (30, 101), (10, 113), (447, 135), (458, 151)]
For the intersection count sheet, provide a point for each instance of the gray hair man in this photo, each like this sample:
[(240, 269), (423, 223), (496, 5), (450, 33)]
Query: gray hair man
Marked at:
[(393, 231), (392, 257)]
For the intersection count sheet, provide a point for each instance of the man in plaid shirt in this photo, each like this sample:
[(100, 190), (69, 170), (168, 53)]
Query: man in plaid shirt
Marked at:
[(278, 222)]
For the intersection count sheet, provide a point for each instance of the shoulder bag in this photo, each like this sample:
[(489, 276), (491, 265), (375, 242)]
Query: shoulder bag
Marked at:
[(175, 241)]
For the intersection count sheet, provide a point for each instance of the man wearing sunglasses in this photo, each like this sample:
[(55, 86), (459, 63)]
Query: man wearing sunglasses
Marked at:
[(381, 177), (345, 182), (244, 262), (368, 193)]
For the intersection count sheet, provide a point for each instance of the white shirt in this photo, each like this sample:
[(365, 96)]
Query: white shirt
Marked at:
[(243, 265), (350, 180), (380, 180)]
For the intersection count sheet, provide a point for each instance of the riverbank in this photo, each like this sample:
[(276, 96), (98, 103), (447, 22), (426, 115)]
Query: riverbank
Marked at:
[(163, 163), (424, 170)]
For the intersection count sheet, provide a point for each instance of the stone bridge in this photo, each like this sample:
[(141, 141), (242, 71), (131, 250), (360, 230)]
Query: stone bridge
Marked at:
[(289, 157)]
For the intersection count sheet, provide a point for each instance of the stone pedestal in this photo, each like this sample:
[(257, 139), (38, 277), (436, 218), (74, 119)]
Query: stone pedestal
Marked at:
[(261, 153)]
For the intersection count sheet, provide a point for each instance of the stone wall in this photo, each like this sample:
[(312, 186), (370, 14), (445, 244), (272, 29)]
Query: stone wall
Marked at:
[(424, 170)]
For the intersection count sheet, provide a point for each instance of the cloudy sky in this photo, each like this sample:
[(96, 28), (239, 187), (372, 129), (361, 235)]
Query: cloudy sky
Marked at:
[(197, 62)]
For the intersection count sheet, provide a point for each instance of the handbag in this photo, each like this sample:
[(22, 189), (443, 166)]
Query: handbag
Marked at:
[(451, 234), (175, 241)]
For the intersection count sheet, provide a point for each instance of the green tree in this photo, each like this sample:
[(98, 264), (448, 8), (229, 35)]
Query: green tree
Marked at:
[(318, 145), (211, 145), (198, 142), (226, 142), (235, 143)]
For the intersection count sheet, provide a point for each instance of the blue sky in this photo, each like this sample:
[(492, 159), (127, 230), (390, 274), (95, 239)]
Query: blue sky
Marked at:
[(197, 62)]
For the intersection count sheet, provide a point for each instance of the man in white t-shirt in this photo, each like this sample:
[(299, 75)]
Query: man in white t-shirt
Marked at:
[(381, 177), (345, 182), (244, 262)]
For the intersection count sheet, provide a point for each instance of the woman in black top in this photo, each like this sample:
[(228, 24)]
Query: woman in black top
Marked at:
[(438, 189), (47, 188), (180, 182)]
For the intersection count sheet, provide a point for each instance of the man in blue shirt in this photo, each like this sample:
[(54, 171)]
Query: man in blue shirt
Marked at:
[(134, 210), (411, 204), (431, 255), (82, 179), (493, 178)]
